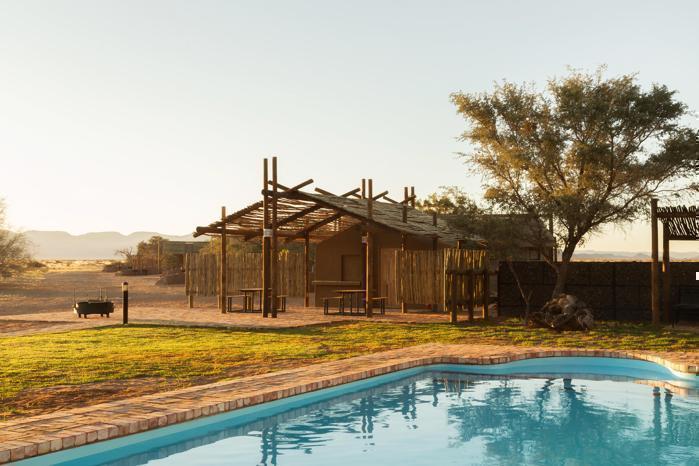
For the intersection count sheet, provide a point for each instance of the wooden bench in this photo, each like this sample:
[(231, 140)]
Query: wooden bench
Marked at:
[(281, 303), (247, 302), (340, 304), (381, 300), (688, 304)]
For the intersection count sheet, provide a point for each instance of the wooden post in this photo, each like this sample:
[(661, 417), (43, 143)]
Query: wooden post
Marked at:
[(654, 272), (368, 292), (223, 284), (363, 188), (412, 195), (405, 205), (188, 279), (435, 248), (486, 293), (370, 199), (403, 241), (306, 270), (453, 318), (434, 218), (274, 259), (266, 242), (470, 289), (666, 273)]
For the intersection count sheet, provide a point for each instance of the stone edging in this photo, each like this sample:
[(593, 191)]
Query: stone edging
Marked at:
[(38, 435)]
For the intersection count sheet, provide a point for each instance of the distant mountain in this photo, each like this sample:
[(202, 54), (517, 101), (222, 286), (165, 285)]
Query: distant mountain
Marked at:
[(628, 255), (99, 245)]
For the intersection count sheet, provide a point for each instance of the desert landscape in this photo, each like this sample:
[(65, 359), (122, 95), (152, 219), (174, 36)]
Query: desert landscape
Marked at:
[(304, 233)]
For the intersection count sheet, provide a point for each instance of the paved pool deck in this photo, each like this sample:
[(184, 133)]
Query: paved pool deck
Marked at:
[(38, 435)]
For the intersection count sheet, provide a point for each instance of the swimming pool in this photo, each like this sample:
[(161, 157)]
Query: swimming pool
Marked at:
[(539, 411)]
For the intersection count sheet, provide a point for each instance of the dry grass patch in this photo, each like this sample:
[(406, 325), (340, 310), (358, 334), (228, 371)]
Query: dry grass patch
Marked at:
[(45, 372)]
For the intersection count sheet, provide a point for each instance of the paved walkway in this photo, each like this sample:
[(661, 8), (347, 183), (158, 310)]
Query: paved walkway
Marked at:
[(52, 432), (295, 316)]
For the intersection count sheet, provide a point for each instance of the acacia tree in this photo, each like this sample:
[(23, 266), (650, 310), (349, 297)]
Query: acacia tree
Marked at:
[(507, 235), (588, 151), (13, 248)]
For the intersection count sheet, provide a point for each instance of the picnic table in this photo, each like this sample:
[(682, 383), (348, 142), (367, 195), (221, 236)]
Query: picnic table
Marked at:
[(355, 296), (249, 299)]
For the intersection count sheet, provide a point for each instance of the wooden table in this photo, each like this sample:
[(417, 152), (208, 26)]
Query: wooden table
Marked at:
[(353, 295), (252, 292)]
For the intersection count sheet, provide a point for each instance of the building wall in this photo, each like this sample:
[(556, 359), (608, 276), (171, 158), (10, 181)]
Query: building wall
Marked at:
[(329, 258)]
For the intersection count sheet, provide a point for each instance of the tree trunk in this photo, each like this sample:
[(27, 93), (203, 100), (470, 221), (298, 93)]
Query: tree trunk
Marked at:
[(562, 269), (525, 297)]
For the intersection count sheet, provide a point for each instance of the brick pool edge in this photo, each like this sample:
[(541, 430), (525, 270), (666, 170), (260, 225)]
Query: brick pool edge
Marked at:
[(37, 435)]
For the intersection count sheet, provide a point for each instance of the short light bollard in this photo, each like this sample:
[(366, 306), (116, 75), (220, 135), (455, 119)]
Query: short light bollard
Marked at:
[(125, 305)]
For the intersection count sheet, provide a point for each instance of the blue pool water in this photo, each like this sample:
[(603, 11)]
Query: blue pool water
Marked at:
[(442, 415)]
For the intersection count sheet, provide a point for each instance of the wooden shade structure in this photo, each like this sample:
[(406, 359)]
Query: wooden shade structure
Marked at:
[(680, 223), (289, 214)]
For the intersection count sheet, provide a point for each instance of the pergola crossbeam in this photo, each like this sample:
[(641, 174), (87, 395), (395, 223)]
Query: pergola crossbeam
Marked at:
[(680, 223), (315, 226)]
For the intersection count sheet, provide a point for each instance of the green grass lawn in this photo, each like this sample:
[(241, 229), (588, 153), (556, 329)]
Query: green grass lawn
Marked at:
[(179, 356)]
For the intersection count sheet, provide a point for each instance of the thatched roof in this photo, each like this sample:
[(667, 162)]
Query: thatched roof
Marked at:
[(531, 231), (682, 222), (322, 216)]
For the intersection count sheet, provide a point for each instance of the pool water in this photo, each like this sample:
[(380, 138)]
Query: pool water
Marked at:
[(437, 417)]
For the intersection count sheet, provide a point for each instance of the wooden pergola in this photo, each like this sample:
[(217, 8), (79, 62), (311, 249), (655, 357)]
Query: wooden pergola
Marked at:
[(289, 214), (680, 223)]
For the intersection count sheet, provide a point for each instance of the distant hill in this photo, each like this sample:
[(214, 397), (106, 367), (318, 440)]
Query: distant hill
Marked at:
[(633, 256), (99, 245)]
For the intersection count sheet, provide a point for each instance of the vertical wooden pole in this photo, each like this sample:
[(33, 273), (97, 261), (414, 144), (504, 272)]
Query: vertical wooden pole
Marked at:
[(223, 274), (403, 246), (266, 241), (274, 259), (470, 290), (368, 291), (434, 219), (412, 197), (666, 273), (654, 272), (369, 279), (188, 279), (369, 199), (306, 270), (453, 318), (405, 205), (486, 293), (363, 188), (435, 248)]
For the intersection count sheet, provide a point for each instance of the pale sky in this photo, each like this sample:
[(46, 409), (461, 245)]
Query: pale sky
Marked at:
[(149, 115)]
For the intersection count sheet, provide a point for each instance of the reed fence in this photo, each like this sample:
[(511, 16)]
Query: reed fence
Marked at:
[(440, 278), (244, 270)]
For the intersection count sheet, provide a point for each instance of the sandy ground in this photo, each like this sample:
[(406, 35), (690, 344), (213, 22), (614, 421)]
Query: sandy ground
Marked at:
[(42, 302)]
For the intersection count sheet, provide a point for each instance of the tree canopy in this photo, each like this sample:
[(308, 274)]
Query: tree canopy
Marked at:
[(13, 248), (587, 151)]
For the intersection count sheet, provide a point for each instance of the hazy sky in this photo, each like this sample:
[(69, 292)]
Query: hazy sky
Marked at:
[(150, 115)]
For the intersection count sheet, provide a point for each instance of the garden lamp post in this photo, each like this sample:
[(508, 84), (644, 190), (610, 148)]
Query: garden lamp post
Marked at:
[(125, 305)]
